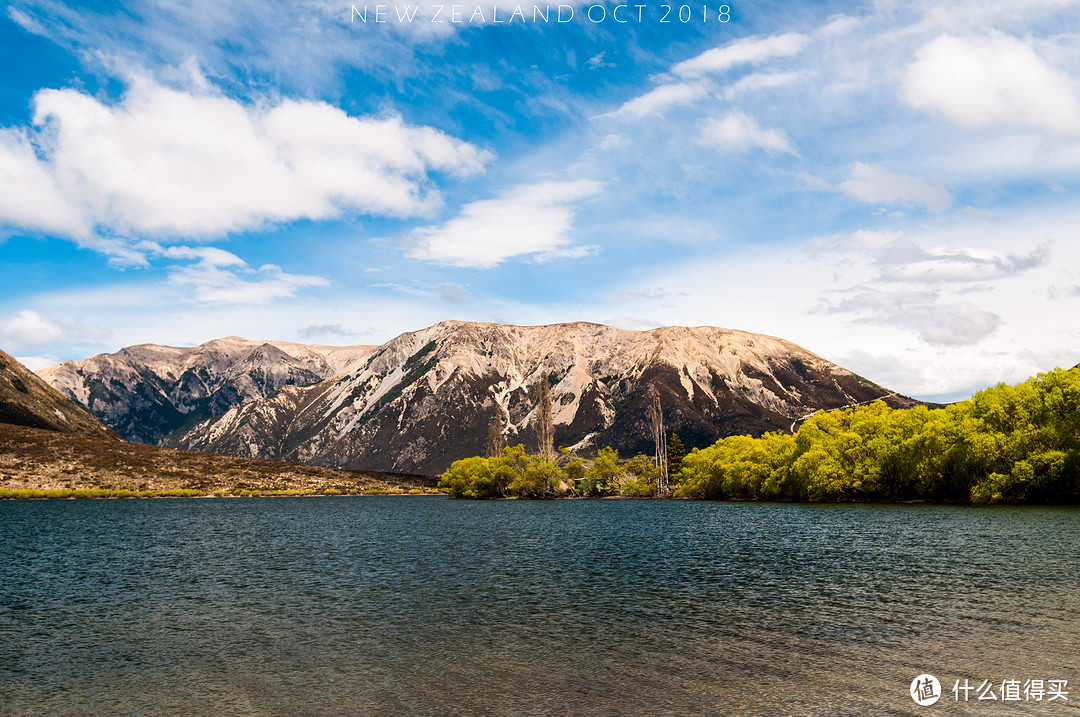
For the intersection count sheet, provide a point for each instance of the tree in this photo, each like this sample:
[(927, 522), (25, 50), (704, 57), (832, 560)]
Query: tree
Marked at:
[(470, 478), (602, 477), (573, 468), (676, 451), (642, 477), (656, 422), (530, 476), (545, 427)]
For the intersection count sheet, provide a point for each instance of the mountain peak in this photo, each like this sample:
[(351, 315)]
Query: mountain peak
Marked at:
[(426, 397)]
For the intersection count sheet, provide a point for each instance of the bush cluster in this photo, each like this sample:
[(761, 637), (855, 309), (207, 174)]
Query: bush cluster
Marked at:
[(517, 474), (1007, 444)]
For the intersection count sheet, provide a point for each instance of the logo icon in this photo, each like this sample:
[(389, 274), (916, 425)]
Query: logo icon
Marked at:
[(925, 690)]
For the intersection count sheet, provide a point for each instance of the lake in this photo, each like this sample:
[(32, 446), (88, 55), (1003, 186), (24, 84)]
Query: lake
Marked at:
[(420, 605)]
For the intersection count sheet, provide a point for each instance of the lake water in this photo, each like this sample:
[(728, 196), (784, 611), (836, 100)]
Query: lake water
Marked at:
[(427, 606)]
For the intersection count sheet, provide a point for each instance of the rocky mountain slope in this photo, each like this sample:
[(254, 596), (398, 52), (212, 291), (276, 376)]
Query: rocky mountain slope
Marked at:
[(47, 443), (26, 400), (426, 398), (146, 393)]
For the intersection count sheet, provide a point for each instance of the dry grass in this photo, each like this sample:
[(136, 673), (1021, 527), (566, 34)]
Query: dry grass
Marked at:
[(77, 465)]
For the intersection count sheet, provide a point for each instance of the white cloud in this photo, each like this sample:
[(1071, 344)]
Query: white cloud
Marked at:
[(744, 51), (165, 162), (900, 259), (959, 265), (26, 22), (871, 183), (762, 81), (209, 281), (936, 323), (596, 62), (31, 329), (983, 81), (662, 98), (749, 50), (30, 197), (529, 219), (36, 363), (205, 255), (737, 132)]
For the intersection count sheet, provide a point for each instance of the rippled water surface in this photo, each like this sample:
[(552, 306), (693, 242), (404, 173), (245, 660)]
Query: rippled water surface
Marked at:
[(428, 606)]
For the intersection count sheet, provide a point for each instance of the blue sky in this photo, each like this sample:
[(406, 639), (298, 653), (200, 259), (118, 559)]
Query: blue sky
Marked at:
[(892, 185)]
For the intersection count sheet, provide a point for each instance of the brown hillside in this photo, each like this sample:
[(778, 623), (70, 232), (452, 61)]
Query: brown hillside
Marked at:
[(26, 400), (37, 459)]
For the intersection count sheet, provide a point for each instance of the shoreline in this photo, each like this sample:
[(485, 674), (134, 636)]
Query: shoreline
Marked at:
[(125, 494), (28, 494)]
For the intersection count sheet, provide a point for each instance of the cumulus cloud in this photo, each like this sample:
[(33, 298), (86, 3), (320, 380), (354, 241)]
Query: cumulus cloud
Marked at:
[(531, 219), (871, 183), (165, 162), (29, 330), (745, 51), (662, 98), (926, 290), (983, 81), (738, 132), (30, 195)]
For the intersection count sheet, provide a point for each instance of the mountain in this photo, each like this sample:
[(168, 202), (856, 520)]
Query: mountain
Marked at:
[(26, 400), (148, 392), (426, 398), (50, 445)]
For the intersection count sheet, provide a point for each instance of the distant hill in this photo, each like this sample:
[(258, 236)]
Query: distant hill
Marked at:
[(426, 398)]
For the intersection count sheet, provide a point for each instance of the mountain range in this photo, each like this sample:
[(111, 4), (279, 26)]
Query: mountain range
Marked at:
[(426, 398), (50, 447), (147, 393)]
